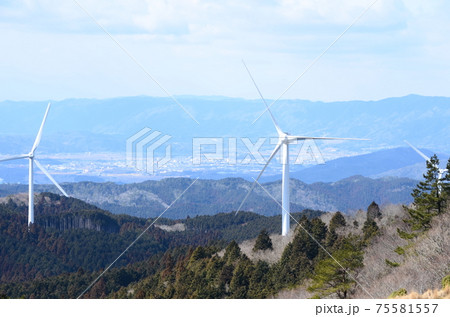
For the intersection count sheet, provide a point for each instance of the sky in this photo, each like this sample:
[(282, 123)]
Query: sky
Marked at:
[(54, 49)]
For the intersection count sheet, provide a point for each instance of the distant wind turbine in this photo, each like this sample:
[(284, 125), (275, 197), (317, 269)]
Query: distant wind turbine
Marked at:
[(284, 139), (442, 171), (32, 159)]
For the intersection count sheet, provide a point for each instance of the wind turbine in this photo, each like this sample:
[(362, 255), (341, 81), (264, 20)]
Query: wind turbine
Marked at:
[(441, 170), (32, 159), (284, 139)]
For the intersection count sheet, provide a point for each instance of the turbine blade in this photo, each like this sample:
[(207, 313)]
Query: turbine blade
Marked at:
[(14, 158), (50, 177), (417, 150), (274, 152), (297, 138), (264, 100), (39, 135)]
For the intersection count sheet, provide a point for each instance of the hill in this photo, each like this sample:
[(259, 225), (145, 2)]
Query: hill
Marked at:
[(199, 264), (70, 235), (209, 197)]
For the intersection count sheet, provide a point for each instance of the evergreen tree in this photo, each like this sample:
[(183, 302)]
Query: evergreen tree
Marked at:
[(331, 239), (296, 262), (263, 242), (370, 229), (331, 277), (232, 252), (430, 197), (260, 281), (318, 229), (216, 287), (373, 211), (445, 184), (240, 282), (337, 221)]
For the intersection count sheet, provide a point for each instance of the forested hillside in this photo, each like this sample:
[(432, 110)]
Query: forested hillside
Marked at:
[(381, 252), (204, 266), (70, 235)]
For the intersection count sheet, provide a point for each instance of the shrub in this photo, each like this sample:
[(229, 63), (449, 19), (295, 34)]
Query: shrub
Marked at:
[(399, 250), (406, 235), (446, 281), (398, 293), (392, 264)]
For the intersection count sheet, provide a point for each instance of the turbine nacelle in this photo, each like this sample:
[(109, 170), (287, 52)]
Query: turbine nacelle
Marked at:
[(284, 139)]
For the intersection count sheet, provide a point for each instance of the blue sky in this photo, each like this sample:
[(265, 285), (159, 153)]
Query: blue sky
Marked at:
[(53, 50)]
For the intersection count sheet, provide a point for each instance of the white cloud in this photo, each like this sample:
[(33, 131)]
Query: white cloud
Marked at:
[(195, 47)]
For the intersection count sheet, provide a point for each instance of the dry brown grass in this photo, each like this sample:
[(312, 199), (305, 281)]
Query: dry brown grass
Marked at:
[(429, 294)]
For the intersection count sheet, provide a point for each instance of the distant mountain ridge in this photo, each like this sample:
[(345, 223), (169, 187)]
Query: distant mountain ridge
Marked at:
[(83, 125), (400, 162), (101, 128), (209, 197)]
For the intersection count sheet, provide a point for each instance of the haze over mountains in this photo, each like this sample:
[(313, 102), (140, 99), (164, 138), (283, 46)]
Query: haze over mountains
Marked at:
[(84, 139), (209, 197)]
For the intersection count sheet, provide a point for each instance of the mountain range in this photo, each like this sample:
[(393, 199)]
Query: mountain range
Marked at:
[(85, 139), (91, 125), (209, 197)]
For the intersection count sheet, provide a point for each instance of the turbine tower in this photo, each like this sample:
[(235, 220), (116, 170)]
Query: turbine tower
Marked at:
[(441, 170), (284, 139), (31, 160)]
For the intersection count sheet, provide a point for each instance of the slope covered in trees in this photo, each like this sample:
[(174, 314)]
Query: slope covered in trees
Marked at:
[(193, 271), (375, 254), (70, 235)]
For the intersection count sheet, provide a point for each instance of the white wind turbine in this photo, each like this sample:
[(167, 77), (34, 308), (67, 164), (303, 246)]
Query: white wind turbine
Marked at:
[(442, 171), (284, 139), (32, 159)]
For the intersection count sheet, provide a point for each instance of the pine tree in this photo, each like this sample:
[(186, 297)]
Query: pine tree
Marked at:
[(232, 252), (331, 238), (260, 281), (263, 242), (337, 221), (370, 229), (318, 229), (240, 282), (430, 197), (297, 259), (445, 183), (333, 277)]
